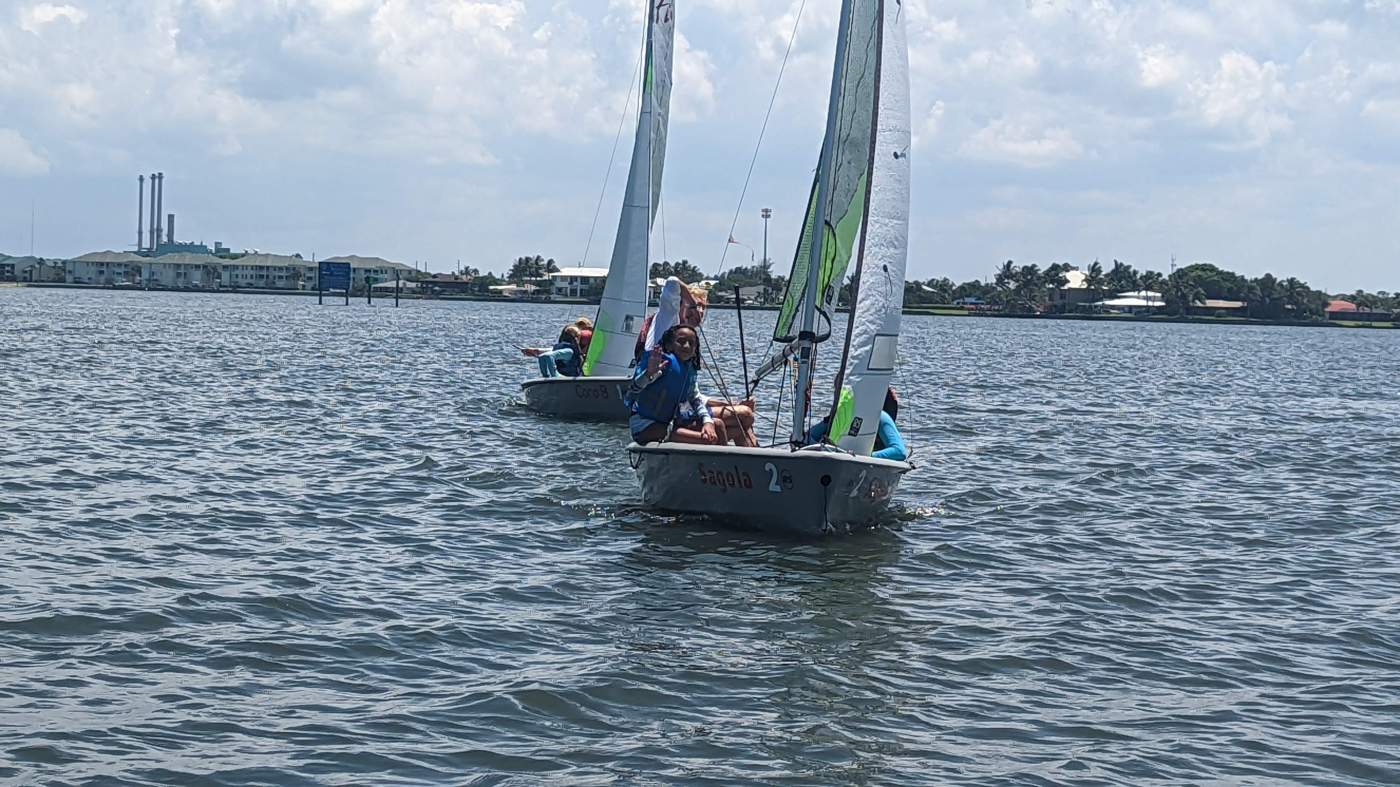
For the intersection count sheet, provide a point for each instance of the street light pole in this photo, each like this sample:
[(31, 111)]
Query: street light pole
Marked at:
[(766, 213)]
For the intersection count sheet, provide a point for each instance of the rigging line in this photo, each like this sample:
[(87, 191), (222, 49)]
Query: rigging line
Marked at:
[(778, 416), (716, 374), (761, 132), (612, 157)]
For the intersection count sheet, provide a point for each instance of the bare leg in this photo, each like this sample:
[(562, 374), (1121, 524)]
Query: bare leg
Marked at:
[(685, 434), (738, 421)]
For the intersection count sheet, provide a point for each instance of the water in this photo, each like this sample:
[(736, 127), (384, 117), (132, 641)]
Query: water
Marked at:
[(248, 540)]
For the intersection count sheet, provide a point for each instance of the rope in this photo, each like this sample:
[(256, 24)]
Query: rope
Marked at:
[(612, 157), (782, 390), (761, 132), (713, 366)]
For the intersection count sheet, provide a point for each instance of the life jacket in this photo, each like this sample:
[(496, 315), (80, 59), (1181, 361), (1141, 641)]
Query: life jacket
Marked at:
[(574, 366), (660, 401), (584, 339)]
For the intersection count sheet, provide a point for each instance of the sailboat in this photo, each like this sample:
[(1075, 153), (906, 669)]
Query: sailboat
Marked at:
[(860, 193), (597, 395)]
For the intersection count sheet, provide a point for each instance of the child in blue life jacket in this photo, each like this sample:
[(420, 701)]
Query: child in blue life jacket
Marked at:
[(663, 398), (888, 443), (566, 357)]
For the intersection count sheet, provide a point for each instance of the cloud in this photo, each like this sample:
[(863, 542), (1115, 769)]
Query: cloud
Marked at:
[(932, 124), (382, 112), (1024, 143), (694, 95), (17, 157), (1245, 95), (37, 17), (1385, 110)]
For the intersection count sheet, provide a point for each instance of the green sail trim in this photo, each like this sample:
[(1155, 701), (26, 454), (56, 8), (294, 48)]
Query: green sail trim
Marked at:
[(596, 346), (797, 280), (838, 246), (844, 415)]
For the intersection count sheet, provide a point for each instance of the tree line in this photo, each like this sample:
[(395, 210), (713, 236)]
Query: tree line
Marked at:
[(1026, 289), (1031, 289)]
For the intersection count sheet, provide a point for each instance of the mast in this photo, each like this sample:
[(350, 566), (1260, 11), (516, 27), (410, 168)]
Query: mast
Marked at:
[(648, 109), (806, 338)]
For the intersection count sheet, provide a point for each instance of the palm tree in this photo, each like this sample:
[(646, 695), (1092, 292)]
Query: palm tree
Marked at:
[(1056, 278), (1005, 282), (1266, 297), (1296, 296), (1152, 281), (1123, 278), (1094, 280), (1183, 292), (1030, 285), (687, 272)]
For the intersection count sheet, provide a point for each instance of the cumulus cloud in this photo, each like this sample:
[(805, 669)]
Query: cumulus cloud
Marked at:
[(1024, 142), (1246, 95), (18, 157), (34, 19), (514, 104)]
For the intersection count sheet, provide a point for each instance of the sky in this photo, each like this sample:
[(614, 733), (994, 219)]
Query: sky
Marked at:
[(1260, 135)]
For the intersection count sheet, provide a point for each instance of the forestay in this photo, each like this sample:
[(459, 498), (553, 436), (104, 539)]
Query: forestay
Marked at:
[(623, 307)]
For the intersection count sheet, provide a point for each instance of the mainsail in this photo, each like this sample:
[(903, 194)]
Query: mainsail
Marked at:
[(837, 209), (873, 336), (623, 307), (841, 205)]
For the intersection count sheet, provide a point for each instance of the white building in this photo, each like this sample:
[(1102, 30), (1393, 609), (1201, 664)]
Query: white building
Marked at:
[(515, 290), (104, 267), (577, 282), (182, 270), (267, 272), (376, 268), (1075, 291), (31, 269), (1136, 302)]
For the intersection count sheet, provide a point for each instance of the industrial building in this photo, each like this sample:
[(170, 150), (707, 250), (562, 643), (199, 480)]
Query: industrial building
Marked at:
[(162, 261)]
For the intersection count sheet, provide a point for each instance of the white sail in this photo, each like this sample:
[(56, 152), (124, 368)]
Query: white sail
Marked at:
[(624, 303), (839, 201), (879, 288)]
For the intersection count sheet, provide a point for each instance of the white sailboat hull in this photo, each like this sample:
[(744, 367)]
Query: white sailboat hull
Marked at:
[(580, 398), (806, 492)]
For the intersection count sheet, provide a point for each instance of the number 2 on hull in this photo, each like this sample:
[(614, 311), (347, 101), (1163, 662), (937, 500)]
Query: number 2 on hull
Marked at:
[(773, 485)]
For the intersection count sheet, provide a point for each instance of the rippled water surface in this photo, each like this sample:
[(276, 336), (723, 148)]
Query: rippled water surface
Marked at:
[(247, 540)]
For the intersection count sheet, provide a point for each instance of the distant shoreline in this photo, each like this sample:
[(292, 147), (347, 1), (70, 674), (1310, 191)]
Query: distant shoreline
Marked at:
[(911, 311)]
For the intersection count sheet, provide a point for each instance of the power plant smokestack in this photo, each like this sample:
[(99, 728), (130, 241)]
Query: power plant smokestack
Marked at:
[(151, 242), (160, 206), (170, 228), (140, 212)]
